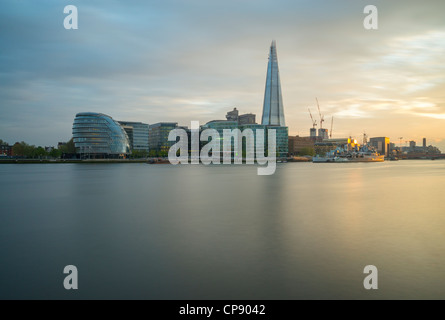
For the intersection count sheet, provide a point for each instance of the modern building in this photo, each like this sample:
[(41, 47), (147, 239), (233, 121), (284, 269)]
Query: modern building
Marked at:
[(232, 115), (392, 147), (381, 144), (220, 126), (251, 148), (273, 113), (323, 134), (313, 133), (248, 118), (282, 145), (424, 143), (298, 144), (137, 134), (158, 137), (412, 144), (273, 110), (97, 135), (129, 132), (281, 134)]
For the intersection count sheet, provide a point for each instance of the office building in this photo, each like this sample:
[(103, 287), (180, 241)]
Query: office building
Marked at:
[(273, 113), (273, 110), (137, 134), (97, 135), (247, 118), (158, 137), (232, 115), (381, 144), (299, 144)]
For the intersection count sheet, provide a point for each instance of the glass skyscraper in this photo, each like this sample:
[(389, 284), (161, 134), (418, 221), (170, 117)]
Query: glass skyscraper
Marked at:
[(98, 135), (273, 113)]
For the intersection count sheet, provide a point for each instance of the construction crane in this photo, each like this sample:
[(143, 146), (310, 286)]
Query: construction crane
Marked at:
[(321, 117), (365, 138), (314, 122), (400, 141), (332, 123)]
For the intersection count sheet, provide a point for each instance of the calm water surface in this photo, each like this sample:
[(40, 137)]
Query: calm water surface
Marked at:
[(222, 232)]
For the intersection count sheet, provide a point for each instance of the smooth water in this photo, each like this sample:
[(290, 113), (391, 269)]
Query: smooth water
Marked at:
[(223, 232)]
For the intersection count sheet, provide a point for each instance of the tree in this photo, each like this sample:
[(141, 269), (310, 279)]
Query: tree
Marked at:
[(68, 148), (71, 148), (163, 154), (18, 149), (39, 152), (55, 153), (29, 150), (3, 142), (307, 151), (153, 153), (138, 154)]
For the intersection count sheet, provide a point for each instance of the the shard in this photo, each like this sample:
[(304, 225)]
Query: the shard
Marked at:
[(273, 113)]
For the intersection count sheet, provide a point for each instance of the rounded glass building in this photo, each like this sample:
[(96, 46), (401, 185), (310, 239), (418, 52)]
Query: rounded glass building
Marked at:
[(97, 135)]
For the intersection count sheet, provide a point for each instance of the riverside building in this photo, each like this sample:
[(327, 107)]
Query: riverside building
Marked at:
[(97, 135)]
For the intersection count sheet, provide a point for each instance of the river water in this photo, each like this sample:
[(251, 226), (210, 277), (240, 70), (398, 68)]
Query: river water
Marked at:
[(159, 231)]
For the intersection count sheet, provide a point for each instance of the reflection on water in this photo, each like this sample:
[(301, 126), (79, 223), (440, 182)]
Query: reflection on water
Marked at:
[(223, 232)]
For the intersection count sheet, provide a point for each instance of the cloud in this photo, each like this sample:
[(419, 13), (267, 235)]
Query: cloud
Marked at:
[(179, 61)]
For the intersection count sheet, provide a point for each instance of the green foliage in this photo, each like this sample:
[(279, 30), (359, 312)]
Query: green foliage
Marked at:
[(153, 153), (22, 149), (3, 142), (39, 152), (68, 148), (135, 154), (55, 153), (163, 154), (307, 151)]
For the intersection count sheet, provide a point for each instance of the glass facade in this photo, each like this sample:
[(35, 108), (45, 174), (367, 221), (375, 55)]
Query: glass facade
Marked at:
[(254, 127), (137, 133), (282, 146), (220, 125), (282, 134), (98, 135), (273, 113), (158, 136)]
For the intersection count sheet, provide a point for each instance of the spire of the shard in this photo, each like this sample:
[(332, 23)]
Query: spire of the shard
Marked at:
[(273, 113)]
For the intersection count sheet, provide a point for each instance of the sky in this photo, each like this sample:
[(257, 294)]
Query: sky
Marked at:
[(194, 60)]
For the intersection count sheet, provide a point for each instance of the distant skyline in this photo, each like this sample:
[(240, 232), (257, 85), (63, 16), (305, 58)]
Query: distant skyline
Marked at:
[(180, 61)]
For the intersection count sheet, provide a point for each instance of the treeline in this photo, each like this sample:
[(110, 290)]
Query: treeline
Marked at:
[(24, 150), (135, 154)]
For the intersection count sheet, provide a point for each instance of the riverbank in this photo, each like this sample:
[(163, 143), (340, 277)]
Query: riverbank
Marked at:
[(42, 161)]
